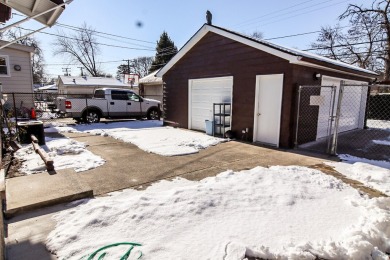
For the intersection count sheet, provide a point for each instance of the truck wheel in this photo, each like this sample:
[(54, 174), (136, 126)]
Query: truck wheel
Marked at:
[(153, 114), (91, 116)]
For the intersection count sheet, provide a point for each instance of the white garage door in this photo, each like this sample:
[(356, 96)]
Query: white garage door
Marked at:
[(352, 109), (201, 96)]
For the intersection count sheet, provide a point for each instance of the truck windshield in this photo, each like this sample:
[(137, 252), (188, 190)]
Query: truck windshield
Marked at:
[(99, 93)]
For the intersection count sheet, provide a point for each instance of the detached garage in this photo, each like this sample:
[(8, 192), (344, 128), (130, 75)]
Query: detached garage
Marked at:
[(260, 81)]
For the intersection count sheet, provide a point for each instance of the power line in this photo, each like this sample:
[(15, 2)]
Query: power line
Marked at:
[(105, 37), (344, 45), (103, 44), (99, 43), (104, 33), (307, 12), (299, 14), (250, 21)]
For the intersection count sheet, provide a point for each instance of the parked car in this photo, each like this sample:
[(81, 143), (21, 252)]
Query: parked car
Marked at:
[(110, 103)]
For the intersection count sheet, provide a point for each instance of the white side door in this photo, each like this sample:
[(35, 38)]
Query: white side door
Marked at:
[(202, 93), (268, 107)]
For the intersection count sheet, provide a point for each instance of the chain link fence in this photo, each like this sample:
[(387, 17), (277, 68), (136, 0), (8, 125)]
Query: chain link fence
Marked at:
[(348, 120), (50, 108), (45, 107)]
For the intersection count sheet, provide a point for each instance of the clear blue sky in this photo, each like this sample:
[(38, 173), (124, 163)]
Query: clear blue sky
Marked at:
[(181, 19)]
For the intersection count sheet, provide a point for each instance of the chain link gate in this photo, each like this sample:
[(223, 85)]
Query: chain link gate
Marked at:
[(315, 117), (348, 120)]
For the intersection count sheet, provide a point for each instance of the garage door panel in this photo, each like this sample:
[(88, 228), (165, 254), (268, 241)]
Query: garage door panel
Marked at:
[(203, 93)]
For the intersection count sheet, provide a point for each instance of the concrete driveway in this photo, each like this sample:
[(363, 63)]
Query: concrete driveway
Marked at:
[(126, 167)]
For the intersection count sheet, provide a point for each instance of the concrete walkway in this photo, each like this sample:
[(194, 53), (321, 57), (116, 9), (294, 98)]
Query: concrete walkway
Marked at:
[(127, 166)]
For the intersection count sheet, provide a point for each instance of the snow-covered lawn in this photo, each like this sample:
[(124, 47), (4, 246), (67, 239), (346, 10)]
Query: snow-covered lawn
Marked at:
[(380, 124), (66, 153), (273, 213), (373, 174), (149, 136), (382, 142)]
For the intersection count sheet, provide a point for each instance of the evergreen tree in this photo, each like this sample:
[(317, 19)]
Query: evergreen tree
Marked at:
[(165, 50)]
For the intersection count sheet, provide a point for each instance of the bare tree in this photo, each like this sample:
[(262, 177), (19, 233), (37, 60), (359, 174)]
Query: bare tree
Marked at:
[(37, 59), (360, 45), (379, 11), (364, 44), (139, 66), (81, 47)]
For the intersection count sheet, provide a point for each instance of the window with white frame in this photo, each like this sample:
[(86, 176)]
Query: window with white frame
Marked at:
[(4, 65)]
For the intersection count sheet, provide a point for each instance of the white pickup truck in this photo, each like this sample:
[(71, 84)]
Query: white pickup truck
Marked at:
[(110, 103)]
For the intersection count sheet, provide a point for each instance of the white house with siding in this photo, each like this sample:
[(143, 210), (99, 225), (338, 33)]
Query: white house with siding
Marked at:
[(16, 74), (16, 68), (75, 85)]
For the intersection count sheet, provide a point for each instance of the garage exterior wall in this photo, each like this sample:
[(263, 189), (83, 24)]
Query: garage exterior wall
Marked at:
[(218, 56)]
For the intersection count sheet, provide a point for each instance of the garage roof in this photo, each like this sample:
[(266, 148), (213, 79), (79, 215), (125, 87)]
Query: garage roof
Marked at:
[(31, 8), (294, 56), (91, 81), (151, 79)]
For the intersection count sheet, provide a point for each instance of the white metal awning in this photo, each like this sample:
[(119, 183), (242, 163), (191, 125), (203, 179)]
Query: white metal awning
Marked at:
[(44, 11)]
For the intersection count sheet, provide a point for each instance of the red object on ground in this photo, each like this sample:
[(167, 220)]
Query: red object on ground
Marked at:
[(33, 114)]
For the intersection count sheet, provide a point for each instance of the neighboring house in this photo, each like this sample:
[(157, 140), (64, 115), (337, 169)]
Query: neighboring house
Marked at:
[(16, 73), (46, 93), (47, 89), (260, 80), (151, 86), (71, 85)]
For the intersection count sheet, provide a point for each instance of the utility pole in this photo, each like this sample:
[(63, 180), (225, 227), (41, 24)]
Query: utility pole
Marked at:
[(82, 70), (66, 71), (128, 66), (128, 69)]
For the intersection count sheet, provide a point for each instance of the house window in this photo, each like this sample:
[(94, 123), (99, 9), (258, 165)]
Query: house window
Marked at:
[(4, 65)]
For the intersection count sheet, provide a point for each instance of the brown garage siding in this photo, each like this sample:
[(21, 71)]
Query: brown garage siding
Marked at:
[(217, 56)]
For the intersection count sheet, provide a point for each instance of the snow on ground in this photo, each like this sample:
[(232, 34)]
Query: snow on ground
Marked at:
[(48, 115), (373, 174), (66, 153), (382, 142), (274, 213), (352, 159), (380, 124), (149, 136)]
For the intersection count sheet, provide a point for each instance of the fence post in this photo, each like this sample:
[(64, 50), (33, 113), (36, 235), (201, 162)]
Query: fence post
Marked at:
[(15, 115), (331, 118), (298, 111), (86, 106), (338, 114)]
